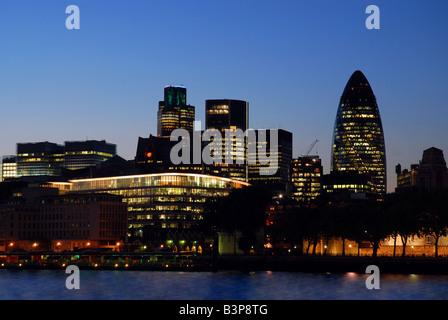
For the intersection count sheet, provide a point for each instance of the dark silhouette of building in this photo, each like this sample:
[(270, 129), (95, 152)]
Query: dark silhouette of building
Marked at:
[(432, 172), (276, 174), (223, 114), (358, 139)]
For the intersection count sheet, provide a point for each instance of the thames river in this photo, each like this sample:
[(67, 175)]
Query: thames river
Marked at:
[(226, 285)]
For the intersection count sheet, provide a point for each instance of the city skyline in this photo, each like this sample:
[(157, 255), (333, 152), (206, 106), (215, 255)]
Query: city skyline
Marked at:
[(290, 60)]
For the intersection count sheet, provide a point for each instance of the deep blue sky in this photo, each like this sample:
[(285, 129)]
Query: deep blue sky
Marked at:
[(290, 59)]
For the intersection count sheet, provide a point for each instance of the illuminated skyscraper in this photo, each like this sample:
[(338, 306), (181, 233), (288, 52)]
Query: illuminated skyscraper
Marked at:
[(306, 178), (174, 113), (230, 117), (358, 140)]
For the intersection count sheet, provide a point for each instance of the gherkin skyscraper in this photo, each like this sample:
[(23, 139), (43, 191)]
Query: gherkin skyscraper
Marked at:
[(358, 139)]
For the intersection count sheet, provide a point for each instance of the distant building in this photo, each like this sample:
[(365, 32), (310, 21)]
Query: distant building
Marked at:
[(9, 168), (275, 175), (346, 186), (430, 174), (306, 177), (41, 219), (358, 139), (39, 159), (223, 114), (158, 201), (231, 119), (406, 178), (174, 113), (82, 154)]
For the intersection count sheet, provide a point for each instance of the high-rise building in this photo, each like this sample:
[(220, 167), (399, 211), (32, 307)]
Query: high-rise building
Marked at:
[(222, 114), (231, 119), (39, 159), (82, 154), (306, 177), (274, 171), (358, 139), (9, 168), (174, 113)]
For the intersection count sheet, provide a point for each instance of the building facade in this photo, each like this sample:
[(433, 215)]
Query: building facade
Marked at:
[(306, 177), (358, 139), (174, 113), (9, 168), (159, 200), (82, 154), (39, 159), (276, 174), (41, 219)]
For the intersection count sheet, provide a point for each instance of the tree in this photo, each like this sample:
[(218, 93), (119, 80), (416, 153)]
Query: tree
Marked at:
[(372, 217), (243, 210), (434, 216), (403, 210)]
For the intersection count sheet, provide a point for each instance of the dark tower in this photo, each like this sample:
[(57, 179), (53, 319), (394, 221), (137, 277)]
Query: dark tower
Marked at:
[(358, 139)]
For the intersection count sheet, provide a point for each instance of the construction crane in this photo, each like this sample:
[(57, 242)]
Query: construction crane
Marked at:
[(310, 148)]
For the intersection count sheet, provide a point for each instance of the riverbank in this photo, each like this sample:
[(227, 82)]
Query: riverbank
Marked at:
[(192, 262)]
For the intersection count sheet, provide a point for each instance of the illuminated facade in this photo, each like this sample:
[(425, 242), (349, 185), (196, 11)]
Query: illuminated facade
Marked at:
[(306, 177), (230, 117), (174, 113), (358, 140), (82, 154), (39, 159), (9, 168), (161, 200)]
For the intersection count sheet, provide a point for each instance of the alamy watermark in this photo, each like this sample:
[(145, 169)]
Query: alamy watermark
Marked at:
[(236, 146)]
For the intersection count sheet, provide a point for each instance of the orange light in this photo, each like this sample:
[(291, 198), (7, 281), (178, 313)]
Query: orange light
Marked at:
[(148, 154)]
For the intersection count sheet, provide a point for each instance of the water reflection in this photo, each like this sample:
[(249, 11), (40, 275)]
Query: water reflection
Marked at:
[(267, 285)]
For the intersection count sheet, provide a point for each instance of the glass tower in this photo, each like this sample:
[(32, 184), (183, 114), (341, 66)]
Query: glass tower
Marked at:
[(174, 113), (358, 139)]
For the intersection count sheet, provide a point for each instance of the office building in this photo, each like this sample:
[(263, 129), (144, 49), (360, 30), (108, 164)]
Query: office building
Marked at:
[(39, 159), (158, 200), (306, 178), (269, 164), (82, 154), (9, 168), (42, 219), (346, 186), (174, 113), (358, 139), (223, 114), (231, 119)]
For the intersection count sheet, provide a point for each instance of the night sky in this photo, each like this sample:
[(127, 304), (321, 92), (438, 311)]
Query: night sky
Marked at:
[(289, 59)]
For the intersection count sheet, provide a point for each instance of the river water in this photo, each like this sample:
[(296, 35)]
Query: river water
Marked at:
[(262, 285)]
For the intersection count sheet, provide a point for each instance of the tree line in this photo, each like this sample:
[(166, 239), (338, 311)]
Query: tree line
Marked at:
[(404, 215)]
